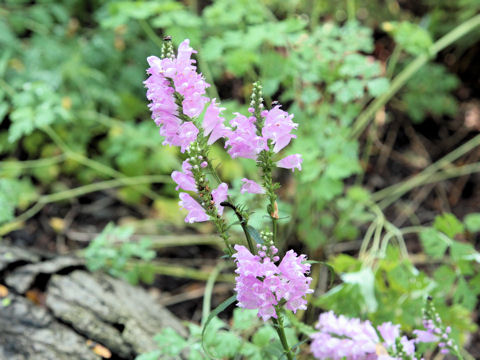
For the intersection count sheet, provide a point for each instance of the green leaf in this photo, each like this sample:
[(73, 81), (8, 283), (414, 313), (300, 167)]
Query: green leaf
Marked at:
[(461, 251), (170, 342), (264, 335), (448, 224), (254, 234), (365, 280), (445, 277), (214, 313), (472, 222), (433, 243), (464, 295), (244, 319), (378, 86), (411, 37)]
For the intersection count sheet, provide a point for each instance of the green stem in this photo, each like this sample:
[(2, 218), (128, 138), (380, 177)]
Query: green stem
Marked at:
[(150, 33), (351, 10), (207, 295), (93, 164), (28, 164), (243, 224), (79, 191), (182, 271), (280, 328), (387, 196), (400, 80), (392, 62)]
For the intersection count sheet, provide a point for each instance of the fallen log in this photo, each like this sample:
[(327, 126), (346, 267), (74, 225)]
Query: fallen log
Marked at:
[(73, 312)]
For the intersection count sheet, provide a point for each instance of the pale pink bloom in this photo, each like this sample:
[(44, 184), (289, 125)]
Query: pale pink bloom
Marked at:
[(291, 162), (389, 332), (188, 83), (213, 123), (351, 339), (278, 127), (185, 178), (195, 211), (220, 195), (251, 187), (261, 284), (425, 336), (243, 141), (184, 181), (187, 133)]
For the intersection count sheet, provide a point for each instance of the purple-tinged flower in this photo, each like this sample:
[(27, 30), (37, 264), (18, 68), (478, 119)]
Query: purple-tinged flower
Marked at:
[(425, 336), (195, 211), (251, 187), (220, 195), (291, 162), (243, 141), (180, 72), (213, 123), (278, 127), (252, 265), (184, 181), (352, 339), (261, 284), (389, 332), (187, 133)]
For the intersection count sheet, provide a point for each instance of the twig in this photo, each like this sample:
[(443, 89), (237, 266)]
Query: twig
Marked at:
[(400, 80)]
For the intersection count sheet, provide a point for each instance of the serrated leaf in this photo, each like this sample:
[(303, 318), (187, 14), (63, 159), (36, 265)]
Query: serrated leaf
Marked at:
[(472, 222), (244, 319), (433, 243), (448, 224), (365, 280), (464, 295)]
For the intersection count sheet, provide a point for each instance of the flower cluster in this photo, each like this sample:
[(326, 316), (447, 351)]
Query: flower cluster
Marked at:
[(276, 127), (352, 339), (186, 180), (177, 94), (262, 285), (435, 331)]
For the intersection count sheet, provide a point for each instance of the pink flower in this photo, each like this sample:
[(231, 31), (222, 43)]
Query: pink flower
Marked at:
[(213, 123), (251, 265), (251, 187), (220, 195), (243, 140), (184, 181), (278, 127), (389, 332), (261, 284), (291, 162), (425, 336), (187, 82), (195, 212), (352, 339), (187, 133)]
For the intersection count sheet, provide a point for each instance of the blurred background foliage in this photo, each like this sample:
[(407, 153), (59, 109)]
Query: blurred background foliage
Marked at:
[(74, 121)]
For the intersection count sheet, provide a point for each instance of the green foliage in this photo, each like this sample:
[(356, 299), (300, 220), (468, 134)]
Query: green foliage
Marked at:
[(395, 289), (113, 251), (247, 336), (14, 193), (341, 79), (429, 92), (413, 38)]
